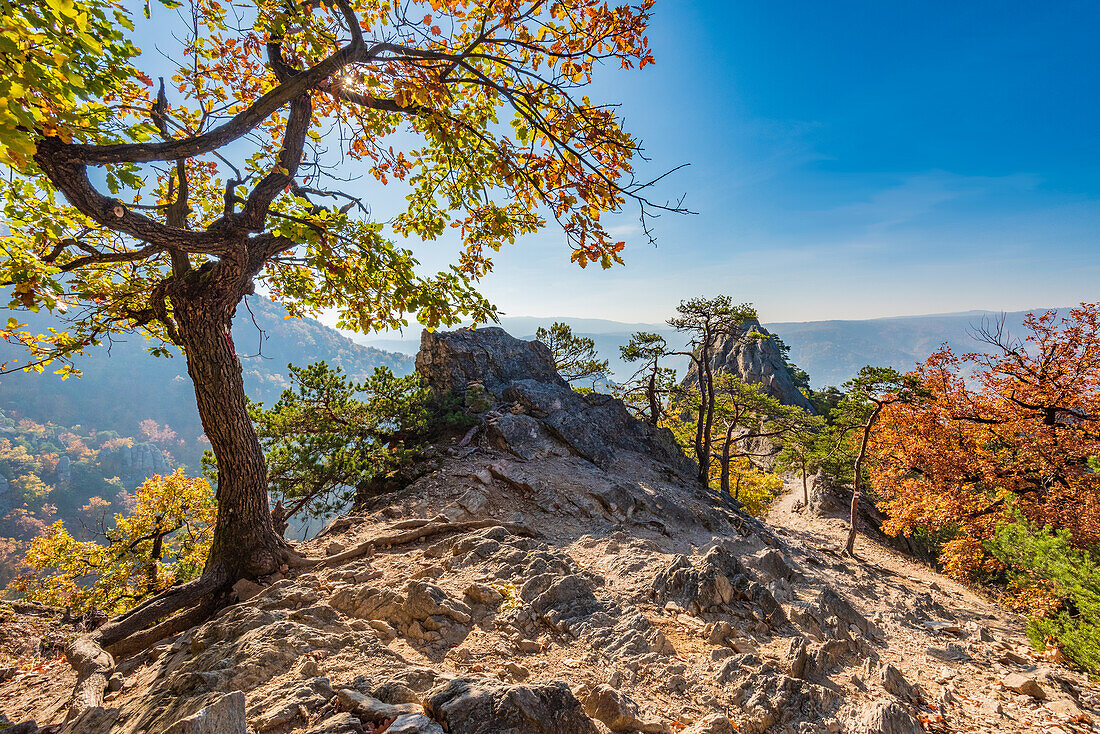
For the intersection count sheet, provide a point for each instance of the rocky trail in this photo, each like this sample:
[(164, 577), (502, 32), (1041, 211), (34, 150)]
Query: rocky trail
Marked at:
[(561, 573)]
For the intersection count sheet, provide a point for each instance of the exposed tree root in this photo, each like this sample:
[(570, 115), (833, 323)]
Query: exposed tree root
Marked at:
[(159, 607), (187, 619), (92, 665), (422, 529), (92, 656), (134, 631)]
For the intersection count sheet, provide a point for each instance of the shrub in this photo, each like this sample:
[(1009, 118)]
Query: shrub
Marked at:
[(1059, 587)]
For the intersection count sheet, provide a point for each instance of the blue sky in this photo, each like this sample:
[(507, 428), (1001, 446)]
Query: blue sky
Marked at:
[(852, 160)]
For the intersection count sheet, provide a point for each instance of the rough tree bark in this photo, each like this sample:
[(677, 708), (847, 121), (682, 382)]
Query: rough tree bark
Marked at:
[(727, 443), (651, 393), (245, 543)]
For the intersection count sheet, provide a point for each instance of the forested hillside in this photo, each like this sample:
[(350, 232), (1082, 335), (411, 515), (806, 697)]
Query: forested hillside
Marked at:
[(124, 385), (76, 473)]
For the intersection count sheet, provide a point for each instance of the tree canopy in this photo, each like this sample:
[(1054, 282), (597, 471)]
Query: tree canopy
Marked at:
[(575, 356), (1011, 431)]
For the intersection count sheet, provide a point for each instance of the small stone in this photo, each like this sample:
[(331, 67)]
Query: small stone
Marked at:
[(721, 653), (371, 709), (1065, 707), (1024, 684), (334, 547), (246, 590), (745, 647), (517, 671), (343, 723), (384, 630), (886, 717), (713, 724), (894, 682), (114, 683), (395, 692), (483, 594), (413, 724), (617, 711), (528, 646)]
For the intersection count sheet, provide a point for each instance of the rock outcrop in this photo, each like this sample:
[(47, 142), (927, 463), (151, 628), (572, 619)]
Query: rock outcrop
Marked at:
[(756, 359), (557, 571)]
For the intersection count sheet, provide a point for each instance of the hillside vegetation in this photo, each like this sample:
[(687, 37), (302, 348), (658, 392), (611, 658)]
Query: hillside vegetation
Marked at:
[(160, 390)]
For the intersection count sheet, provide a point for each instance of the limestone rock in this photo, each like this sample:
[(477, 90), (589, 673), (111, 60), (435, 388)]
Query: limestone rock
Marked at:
[(886, 717), (414, 724), (1024, 684), (483, 594), (339, 724), (618, 711), (468, 706), (894, 683), (225, 715), (756, 359), (371, 709), (713, 724), (450, 360), (719, 579)]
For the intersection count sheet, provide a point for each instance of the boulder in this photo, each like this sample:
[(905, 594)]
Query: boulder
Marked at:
[(225, 715), (618, 711), (886, 717), (470, 706), (450, 360)]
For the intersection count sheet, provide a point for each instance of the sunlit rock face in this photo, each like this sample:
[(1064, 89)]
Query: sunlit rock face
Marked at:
[(755, 359)]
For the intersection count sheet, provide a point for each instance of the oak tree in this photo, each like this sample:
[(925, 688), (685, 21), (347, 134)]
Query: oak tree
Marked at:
[(135, 207), (1012, 430)]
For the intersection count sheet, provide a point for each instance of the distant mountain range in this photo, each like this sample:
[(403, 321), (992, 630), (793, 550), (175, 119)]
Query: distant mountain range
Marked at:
[(830, 351)]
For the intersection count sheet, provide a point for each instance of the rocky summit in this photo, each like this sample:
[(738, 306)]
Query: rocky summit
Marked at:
[(754, 357), (557, 570)]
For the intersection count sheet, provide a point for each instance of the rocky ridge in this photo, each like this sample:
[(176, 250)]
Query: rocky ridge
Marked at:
[(756, 360), (558, 570)]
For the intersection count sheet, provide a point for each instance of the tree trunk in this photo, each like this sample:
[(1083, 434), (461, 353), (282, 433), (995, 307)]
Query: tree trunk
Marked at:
[(726, 459), (805, 489), (857, 480), (700, 422), (651, 392), (705, 473), (245, 544)]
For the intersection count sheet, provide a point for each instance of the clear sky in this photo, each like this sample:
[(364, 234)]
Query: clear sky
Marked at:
[(852, 160)]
